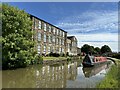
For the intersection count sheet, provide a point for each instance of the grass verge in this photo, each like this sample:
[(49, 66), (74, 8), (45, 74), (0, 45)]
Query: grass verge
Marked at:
[(54, 58), (112, 78)]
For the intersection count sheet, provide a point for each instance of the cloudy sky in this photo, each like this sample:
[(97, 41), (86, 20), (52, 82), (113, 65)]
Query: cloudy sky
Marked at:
[(93, 23)]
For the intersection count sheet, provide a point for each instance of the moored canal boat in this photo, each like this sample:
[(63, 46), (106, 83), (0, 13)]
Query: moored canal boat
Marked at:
[(89, 61)]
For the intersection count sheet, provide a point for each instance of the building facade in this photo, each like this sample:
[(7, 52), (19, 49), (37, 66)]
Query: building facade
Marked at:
[(78, 50), (72, 45), (48, 37)]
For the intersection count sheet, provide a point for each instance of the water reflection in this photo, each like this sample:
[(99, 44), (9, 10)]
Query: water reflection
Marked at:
[(40, 77), (91, 71), (48, 76)]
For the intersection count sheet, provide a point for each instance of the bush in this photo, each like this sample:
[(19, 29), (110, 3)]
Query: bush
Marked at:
[(17, 44), (67, 54), (39, 59), (69, 59), (54, 54), (117, 55), (62, 54)]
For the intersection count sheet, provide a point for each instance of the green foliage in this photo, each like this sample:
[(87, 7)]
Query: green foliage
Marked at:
[(17, 44), (112, 78), (87, 49), (105, 49), (69, 58), (67, 54), (97, 50), (116, 55), (38, 59), (91, 50), (54, 54)]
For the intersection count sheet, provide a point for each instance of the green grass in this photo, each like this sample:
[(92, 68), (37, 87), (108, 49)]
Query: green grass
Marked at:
[(54, 58), (112, 78)]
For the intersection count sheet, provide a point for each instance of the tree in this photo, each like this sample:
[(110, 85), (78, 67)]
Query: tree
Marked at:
[(17, 45), (86, 48), (97, 50), (105, 49)]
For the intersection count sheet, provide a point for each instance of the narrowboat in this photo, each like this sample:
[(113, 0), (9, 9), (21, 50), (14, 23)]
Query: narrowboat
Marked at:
[(89, 61)]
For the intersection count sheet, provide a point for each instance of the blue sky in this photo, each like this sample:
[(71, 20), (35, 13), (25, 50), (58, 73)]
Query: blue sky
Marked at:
[(93, 23)]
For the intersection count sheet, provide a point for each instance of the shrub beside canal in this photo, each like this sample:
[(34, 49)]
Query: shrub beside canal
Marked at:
[(17, 44), (112, 78)]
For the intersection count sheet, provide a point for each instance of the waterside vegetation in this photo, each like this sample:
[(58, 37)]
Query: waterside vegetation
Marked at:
[(112, 78)]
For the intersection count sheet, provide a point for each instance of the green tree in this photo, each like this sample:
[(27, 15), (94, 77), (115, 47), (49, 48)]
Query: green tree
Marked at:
[(92, 49), (17, 44), (105, 49), (87, 48), (97, 50)]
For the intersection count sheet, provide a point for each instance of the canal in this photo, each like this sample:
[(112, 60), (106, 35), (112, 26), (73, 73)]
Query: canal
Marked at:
[(65, 75)]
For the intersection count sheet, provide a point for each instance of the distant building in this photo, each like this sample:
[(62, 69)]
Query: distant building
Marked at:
[(78, 50), (72, 45), (48, 37)]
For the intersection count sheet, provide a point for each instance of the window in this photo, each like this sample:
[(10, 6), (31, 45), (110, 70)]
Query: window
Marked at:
[(38, 49), (54, 30), (45, 26), (35, 24), (62, 42), (49, 37), (49, 28), (44, 37), (53, 49), (39, 36), (62, 49), (57, 41), (39, 26), (63, 34), (72, 43), (44, 48), (57, 32), (48, 49), (53, 38), (57, 50)]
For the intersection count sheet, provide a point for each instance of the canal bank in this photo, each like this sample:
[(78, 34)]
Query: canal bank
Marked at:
[(57, 60), (112, 78)]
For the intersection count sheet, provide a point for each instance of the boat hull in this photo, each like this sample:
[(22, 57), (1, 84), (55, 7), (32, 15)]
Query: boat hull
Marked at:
[(90, 61), (85, 64)]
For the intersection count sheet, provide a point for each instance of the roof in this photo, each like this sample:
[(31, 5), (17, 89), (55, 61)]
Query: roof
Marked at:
[(46, 22), (69, 37)]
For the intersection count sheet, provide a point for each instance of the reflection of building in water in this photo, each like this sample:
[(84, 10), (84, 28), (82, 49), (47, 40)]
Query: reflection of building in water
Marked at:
[(88, 72), (51, 77), (55, 77), (40, 77), (72, 71)]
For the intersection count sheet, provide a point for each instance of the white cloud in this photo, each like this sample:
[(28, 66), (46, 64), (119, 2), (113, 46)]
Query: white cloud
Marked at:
[(91, 22), (96, 28)]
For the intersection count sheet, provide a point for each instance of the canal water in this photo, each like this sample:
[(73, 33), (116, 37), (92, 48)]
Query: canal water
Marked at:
[(65, 75)]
